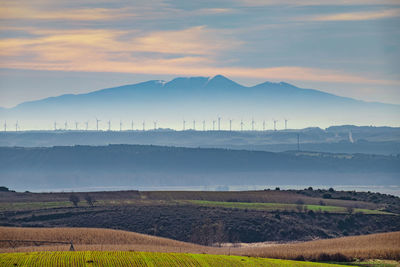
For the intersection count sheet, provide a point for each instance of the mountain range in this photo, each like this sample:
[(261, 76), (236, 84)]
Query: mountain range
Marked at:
[(200, 98)]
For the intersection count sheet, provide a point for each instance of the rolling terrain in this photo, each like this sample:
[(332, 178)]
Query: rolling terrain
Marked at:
[(210, 218), (77, 167), (347, 249), (367, 140)]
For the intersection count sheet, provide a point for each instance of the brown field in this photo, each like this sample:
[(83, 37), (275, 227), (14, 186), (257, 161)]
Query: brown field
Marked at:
[(374, 246), (88, 238)]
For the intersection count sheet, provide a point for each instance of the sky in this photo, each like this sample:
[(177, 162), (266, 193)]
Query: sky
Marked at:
[(345, 47)]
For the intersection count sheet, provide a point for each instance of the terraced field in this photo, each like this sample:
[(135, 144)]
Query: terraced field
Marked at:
[(120, 258)]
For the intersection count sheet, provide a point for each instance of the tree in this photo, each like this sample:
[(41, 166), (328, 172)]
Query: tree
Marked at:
[(90, 200), (74, 199), (350, 210)]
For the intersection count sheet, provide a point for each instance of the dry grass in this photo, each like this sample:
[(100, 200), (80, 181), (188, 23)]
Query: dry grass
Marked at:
[(374, 246), (87, 236)]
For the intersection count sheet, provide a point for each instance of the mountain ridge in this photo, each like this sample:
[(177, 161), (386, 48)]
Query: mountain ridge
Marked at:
[(203, 98)]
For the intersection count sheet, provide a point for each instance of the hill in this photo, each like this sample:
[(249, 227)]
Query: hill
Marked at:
[(166, 102), (135, 165), (374, 246), (368, 140), (382, 246)]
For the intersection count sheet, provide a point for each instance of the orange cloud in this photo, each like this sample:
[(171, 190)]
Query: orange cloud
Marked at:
[(192, 51), (354, 16), (25, 12)]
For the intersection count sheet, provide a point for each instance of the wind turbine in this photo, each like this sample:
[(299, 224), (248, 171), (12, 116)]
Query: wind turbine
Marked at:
[(230, 124), (241, 125), (66, 125), (194, 125), (97, 124), (132, 125), (120, 125), (286, 120), (87, 125), (155, 125), (252, 124), (109, 125), (144, 125), (204, 125), (213, 125), (16, 126), (219, 123), (184, 123), (264, 125), (76, 126), (275, 121), (55, 126)]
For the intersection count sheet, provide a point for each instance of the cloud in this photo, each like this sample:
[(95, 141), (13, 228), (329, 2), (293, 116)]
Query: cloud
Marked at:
[(15, 11), (255, 3), (356, 16)]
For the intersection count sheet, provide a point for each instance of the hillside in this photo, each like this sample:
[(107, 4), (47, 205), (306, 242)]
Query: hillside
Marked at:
[(374, 246), (368, 140), (210, 218), (135, 165)]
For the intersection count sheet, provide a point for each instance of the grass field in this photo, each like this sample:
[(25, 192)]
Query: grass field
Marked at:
[(103, 258), (283, 206), (385, 246)]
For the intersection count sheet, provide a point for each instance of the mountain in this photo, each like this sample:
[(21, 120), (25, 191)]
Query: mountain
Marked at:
[(138, 166), (201, 98)]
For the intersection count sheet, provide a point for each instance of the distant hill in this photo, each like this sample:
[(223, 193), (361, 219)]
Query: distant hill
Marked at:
[(134, 165), (365, 139), (200, 98)]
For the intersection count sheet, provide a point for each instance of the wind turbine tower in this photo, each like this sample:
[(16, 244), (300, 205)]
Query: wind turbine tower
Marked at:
[(286, 120), (194, 125), (76, 126), (275, 125), (5, 126), (155, 125), (219, 123), (213, 125), (87, 125), (132, 125), (16, 126), (97, 124), (241, 125), (109, 125), (184, 124), (264, 125), (55, 126), (230, 125), (66, 125), (252, 124), (120, 125), (204, 125), (144, 125)]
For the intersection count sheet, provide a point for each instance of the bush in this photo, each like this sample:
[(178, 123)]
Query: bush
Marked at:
[(327, 196), (89, 200)]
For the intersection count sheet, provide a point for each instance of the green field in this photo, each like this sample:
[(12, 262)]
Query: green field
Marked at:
[(223, 204), (120, 258), (282, 207)]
